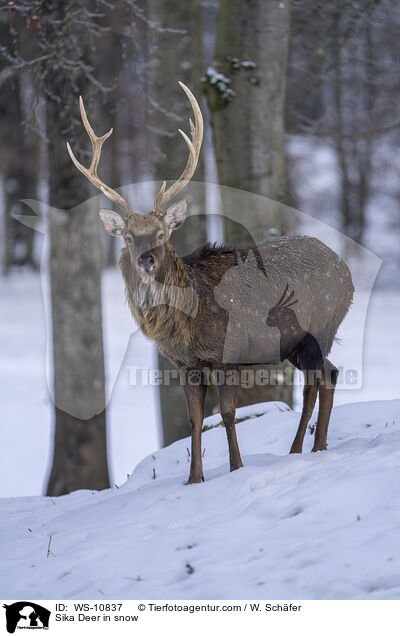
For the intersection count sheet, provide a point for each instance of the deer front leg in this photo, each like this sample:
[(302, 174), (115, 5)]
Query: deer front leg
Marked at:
[(195, 396), (227, 404)]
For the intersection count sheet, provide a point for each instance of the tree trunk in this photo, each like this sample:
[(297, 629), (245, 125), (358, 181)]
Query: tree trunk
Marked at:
[(248, 107), (251, 51), (175, 56), (20, 167), (354, 153), (80, 456)]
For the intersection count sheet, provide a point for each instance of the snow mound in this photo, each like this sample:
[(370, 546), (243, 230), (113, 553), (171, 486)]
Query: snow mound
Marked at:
[(312, 526)]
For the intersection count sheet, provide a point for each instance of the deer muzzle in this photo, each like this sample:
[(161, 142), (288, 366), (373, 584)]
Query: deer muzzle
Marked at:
[(147, 262)]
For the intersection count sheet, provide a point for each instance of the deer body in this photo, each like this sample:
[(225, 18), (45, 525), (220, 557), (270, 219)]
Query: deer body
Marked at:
[(225, 307), (193, 331)]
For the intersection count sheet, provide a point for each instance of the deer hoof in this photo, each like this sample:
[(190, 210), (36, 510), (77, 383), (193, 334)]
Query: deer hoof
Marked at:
[(318, 447), (194, 480)]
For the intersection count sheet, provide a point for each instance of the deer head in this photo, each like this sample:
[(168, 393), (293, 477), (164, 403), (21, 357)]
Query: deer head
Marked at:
[(146, 235)]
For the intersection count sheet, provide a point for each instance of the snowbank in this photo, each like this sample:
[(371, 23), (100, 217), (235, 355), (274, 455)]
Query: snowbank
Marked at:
[(311, 526)]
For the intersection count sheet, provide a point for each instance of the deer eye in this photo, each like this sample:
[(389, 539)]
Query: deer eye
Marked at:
[(128, 239), (160, 237)]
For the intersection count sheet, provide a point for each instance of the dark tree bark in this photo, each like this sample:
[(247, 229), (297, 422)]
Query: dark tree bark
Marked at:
[(354, 153), (251, 51), (248, 108), (80, 457), (80, 452), (19, 164)]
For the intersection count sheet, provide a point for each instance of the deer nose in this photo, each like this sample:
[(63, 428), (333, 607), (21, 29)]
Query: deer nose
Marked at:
[(146, 261)]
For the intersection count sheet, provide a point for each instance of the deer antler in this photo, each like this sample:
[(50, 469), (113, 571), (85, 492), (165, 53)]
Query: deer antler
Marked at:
[(91, 173), (196, 130)]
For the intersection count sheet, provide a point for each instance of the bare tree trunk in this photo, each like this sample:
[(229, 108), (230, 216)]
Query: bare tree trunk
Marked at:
[(251, 51), (248, 107), (20, 176), (175, 56), (80, 455), (354, 152), (9, 128)]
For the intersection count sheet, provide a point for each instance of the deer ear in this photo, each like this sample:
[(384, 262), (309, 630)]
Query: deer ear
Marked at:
[(176, 214), (113, 223)]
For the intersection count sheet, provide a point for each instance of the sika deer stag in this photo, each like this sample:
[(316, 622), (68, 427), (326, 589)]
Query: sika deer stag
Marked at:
[(174, 300)]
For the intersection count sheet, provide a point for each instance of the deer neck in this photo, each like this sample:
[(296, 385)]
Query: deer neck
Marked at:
[(155, 300)]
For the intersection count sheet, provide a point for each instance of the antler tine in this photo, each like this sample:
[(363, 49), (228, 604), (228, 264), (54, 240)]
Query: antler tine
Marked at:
[(91, 173), (196, 130), (189, 144), (158, 201), (97, 142)]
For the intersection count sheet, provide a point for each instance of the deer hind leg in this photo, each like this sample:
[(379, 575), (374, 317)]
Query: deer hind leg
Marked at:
[(326, 391), (195, 396), (309, 398), (227, 405)]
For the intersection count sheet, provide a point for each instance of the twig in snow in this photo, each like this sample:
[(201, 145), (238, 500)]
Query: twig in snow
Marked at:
[(189, 568), (48, 548)]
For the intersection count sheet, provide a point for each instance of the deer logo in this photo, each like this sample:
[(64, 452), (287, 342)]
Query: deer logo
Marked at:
[(25, 614), (296, 344)]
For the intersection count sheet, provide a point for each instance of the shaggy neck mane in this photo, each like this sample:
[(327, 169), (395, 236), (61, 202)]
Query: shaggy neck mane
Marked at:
[(155, 302)]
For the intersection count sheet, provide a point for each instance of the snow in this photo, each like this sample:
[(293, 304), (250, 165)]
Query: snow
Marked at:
[(312, 526), (221, 82)]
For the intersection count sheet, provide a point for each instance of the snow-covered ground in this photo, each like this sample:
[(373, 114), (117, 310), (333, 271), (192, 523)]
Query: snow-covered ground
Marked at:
[(26, 408), (314, 526)]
